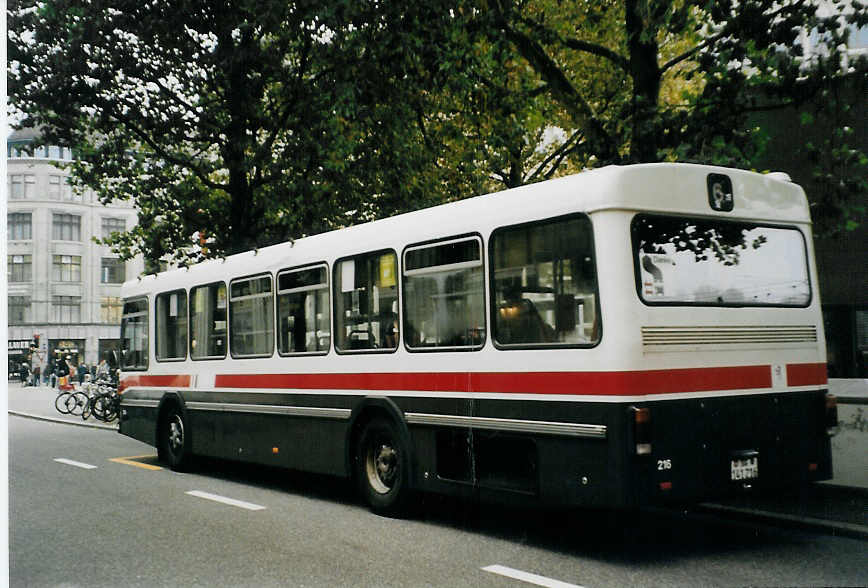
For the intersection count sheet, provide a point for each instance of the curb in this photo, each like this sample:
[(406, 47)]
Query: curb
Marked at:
[(37, 417), (837, 528)]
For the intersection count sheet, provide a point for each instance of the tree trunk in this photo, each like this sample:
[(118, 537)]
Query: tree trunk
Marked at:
[(645, 74)]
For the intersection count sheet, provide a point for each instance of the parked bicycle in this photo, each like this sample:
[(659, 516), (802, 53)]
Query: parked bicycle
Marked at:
[(98, 398), (71, 402)]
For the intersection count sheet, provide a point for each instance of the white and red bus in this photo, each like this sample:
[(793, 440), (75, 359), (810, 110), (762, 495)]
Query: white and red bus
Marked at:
[(619, 337)]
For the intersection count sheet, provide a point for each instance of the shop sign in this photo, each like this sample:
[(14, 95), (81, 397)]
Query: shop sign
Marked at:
[(18, 346)]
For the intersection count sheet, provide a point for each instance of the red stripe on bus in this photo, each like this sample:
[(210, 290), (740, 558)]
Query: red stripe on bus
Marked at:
[(578, 383), (176, 380), (806, 374)]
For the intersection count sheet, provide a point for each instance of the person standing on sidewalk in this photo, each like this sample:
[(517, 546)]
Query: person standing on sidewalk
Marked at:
[(81, 371), (102, 370), (35, 380)]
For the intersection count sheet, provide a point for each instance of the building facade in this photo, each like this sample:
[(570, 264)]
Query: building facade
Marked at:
[(63, 288)]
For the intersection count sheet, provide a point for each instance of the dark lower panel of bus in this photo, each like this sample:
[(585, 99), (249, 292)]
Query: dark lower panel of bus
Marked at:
[(561, 453)]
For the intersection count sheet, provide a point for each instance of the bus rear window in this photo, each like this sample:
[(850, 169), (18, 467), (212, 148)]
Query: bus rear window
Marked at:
[(134, 335), (709, 262)]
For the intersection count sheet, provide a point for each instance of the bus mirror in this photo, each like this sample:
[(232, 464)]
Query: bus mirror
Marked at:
[(565, 312)]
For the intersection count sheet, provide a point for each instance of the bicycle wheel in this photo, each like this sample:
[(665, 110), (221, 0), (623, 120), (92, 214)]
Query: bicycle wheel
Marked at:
[(76, 404), (112, 407), (105, 408), (60, 402), (98, 407)]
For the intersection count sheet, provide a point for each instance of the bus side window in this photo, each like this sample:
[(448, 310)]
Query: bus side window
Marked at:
[(444, 295), (134, 335), (303, 312), (251, 317), (544, 284), (366, 302), (170, 315), (208, 321)]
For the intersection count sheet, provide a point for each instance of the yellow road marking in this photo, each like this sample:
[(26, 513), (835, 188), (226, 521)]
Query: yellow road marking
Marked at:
[(138, 464)]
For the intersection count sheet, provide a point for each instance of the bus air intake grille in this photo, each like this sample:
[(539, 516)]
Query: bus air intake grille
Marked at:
[(724, 336)]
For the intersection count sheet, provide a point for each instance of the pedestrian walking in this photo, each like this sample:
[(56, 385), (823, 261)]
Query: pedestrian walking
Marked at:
[(35, 380)]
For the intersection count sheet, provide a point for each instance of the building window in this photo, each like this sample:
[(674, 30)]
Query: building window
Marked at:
[(19, 310), (66, 309), (110, 308), (54, 183), (170, 315), (303, 311), (444, 295), (251, 317), (66, 268), (70, 194), (366, 302), (16, 188), (22, 187), (208, 321), (113, 271), (19, 268), (112, 225), (66, 227), (18, 226)]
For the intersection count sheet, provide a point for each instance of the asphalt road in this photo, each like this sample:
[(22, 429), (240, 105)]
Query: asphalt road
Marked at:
[(90, 521)]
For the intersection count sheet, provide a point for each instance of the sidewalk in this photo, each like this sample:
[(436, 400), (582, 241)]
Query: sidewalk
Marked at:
[(33, 402), (829, 506)]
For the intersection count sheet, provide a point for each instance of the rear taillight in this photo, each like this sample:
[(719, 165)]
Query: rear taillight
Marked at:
[(642, 430), (831, 414)]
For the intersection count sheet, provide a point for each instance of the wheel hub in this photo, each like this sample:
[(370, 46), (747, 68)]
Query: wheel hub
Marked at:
[(382, 467), (176, 434)]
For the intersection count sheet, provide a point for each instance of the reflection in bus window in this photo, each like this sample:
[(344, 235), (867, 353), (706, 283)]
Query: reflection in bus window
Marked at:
[(208, 321), (251, 317), (545, 284), (303, 311), (366, 302), (134, 335), (718, 263), (171, 325), (443, 295)]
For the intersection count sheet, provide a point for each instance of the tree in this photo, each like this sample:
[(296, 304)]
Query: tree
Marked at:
[(260, 121), (230, 126), (643, 81)]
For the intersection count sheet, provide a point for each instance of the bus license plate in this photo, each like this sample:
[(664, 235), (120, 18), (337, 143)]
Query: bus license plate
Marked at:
[(744, 469)]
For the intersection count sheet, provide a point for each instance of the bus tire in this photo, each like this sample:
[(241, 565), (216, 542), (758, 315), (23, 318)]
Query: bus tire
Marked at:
[(383, 468), (175, 440)]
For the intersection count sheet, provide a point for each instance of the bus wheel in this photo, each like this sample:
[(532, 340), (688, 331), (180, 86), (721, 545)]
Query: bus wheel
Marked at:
[(382, 468), (175, 441)]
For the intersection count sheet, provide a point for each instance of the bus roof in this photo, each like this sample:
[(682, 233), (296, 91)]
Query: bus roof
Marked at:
[(656, 187)]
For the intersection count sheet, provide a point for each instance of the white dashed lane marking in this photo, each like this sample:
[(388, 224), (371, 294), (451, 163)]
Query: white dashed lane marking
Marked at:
[(528, 577), (77, 464), (224, 500)]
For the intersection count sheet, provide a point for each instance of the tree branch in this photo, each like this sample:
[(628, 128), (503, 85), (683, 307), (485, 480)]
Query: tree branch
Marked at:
[(579, 44), (559, 154), (569, 97)]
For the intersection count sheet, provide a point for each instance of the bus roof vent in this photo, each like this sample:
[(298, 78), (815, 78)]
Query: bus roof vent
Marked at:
[(782, 176)]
